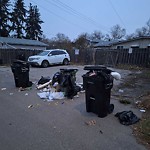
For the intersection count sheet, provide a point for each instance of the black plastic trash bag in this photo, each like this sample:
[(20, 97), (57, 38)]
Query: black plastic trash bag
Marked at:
[(44, 80), (127, 117), (58, 77)]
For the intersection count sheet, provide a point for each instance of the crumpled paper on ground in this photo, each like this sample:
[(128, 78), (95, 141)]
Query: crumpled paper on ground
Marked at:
[(50, 96)]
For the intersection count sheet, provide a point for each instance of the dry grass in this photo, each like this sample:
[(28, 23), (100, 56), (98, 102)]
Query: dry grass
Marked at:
[(139, 83)]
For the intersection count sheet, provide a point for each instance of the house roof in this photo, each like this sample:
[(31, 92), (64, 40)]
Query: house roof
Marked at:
[(105, 43), (133, 39), (16, 41), (114, 42)]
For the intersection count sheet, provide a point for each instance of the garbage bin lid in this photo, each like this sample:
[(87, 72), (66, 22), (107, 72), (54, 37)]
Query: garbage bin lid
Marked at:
[(95, 67), (17, 61), (69, 70)]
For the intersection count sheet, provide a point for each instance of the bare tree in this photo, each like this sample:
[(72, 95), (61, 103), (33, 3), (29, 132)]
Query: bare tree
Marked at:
[(82, 41), (148, 27), (96, 35), (141, 32), (60, 41), (61, 38), (130, 36), (117, 32)]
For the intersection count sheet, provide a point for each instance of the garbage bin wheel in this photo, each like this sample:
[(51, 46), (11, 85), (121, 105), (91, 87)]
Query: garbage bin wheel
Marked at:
[(111, 108), (45, 64)]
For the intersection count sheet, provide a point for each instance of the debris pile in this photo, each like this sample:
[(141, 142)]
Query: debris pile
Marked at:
[(63, 84)]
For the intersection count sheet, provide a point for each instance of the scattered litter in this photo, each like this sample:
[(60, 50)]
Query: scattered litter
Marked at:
[(56, 95), (26, 94), (142, 110), (137, 102), (91, 122), (77, 96), (44, 85), (56, 103), (62, 102), (46, 90), (3, 89), (127, 117), (51, 95), (43, 95), (11, 93), (62, 85), (24, 89), (101, 131), (30, 106), (37, 104), (21, 89), (121, 91)]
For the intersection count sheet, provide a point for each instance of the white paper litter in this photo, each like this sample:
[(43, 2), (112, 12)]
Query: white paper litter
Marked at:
[(56, 95), (3, 89), (121, 91), (43, 95), (51, 95), (142, 110)]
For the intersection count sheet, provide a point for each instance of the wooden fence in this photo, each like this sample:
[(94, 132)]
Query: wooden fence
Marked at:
[(113, 57), (8, 55), (109, 57)]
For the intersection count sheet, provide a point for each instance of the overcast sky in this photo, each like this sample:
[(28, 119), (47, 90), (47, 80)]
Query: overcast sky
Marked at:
[(74, 17)]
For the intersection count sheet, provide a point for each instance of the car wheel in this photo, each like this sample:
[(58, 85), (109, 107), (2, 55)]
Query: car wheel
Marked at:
[(45, 64), (65, 62)]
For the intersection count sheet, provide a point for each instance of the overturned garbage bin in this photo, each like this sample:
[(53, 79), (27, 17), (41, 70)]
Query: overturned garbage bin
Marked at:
[(20, 70), (68, 82), (98, 83), (66, 79)]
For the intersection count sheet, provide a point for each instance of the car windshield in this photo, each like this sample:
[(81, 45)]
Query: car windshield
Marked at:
[(43, 53)]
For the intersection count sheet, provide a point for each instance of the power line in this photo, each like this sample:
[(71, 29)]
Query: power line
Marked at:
[(60, 17), (74, 12), (61, 8), (116, 13)]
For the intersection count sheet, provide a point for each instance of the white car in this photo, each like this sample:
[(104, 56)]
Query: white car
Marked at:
[(49, 57)]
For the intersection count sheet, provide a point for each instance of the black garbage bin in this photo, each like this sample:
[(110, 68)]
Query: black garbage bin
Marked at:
[(20, 70), (98, 83), (68, 82), (66, 79)]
